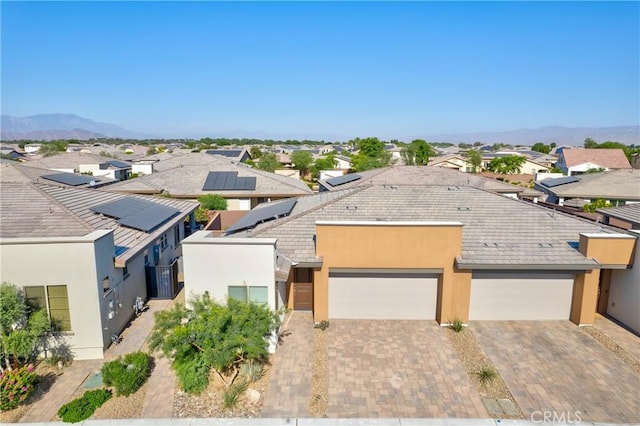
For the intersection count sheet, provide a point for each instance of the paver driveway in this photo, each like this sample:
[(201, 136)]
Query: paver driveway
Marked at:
[(397, 369), (553, 366)]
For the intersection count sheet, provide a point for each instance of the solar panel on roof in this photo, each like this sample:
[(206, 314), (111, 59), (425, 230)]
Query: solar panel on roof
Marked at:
[(228, 181), (70, 178), (136, 213), (341, 180), (550, 183), (262, 214), (224, 152), (119, 164)]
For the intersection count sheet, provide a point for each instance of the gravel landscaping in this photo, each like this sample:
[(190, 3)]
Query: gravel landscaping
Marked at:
[(46, 377), (210, 402), (320, 372), (606, 341), (474, 360)]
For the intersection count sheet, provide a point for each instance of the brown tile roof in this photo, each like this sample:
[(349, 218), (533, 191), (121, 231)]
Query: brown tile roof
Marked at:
[(608, 158)]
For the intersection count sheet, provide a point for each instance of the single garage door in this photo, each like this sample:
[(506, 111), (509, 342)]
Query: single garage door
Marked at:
[(521, 296), (387, 295)]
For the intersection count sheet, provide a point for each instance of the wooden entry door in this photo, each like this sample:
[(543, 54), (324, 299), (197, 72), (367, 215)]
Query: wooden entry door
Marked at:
[(303, 296)]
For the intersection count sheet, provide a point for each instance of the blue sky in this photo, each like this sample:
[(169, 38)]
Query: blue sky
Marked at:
[(324, 69)]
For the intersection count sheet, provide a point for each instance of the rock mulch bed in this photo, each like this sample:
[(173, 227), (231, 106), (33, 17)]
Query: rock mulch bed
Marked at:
[(210, 402), (320, 375), (606, 341), (493, 392)]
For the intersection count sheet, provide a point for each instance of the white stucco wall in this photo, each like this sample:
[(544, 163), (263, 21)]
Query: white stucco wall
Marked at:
[(80, 263), (142, 168), (213, 264), (624, 294)]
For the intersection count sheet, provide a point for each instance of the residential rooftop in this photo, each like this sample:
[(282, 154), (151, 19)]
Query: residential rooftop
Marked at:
[(609, 158), (615, 184), (498, 231)]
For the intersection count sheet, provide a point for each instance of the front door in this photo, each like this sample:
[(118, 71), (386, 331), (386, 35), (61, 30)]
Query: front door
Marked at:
[(303, 296)]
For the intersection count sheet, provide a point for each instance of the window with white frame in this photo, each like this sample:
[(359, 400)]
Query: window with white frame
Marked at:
[(176, 235), (163, 241), (245, 293)]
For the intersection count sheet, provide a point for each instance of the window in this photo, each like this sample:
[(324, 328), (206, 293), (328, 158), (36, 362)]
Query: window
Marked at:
[(163, 241), (54, 300), (125, 272), (146, 259), (106, 284), (176, 235), (255, 294)]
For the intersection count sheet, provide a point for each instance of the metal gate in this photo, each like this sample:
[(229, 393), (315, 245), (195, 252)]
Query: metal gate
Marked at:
[(162, 281)]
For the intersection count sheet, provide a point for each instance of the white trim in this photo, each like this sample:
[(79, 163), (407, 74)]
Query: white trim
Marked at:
[(206, 237), (604, 235), (384, 223)]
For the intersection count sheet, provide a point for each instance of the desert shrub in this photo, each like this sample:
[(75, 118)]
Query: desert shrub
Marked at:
[(322, 325), (82, 408), (15, 386), (233, 392), (457, 325), (127, 374), (252, 370), (193, 374), (486, 374)]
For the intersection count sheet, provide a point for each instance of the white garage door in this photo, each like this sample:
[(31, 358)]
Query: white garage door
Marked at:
[(520, 296), (389, 295)]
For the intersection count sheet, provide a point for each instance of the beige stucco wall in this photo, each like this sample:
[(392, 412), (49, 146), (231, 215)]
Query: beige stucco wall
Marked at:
[(213, 264), (80, 263), (398, 245), (624, 294)]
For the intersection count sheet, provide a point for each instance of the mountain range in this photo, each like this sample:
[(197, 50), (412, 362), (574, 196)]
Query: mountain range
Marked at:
[(71, 126)]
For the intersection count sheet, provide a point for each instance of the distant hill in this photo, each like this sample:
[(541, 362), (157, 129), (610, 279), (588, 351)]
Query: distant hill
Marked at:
[(60, 126), (574, 136)]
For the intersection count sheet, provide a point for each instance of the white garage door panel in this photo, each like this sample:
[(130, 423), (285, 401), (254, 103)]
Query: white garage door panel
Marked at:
[(521, 297), (383, 297)]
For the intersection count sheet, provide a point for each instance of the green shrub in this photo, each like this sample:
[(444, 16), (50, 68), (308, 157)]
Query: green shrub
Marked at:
[(127, 374), (322, 325), (252, 370), (233, 392), (457, 325), (486, 374), (193, 374), (16, 386), (82, 408)]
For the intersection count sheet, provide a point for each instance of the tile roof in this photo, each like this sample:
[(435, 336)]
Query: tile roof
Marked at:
[(69, 160), (11, 171), (429, 175), (524, 233), (629, 213), (42, 210), (608, 158), (615, 184), (186, 179)]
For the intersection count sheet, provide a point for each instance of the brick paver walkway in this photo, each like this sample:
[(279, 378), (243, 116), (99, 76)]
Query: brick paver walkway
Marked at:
[(289, 391), (628, 341), (397, 369), (553, 366), (60, 392)]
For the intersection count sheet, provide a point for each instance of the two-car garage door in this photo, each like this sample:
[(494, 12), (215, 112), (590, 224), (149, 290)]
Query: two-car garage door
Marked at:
[(520, 296), (382, 295)]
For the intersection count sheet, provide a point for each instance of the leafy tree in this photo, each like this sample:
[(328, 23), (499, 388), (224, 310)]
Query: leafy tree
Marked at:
[(152, 150), (213, 202), (302, 160), (477, 144), (371, 154), (497, 146), (597, 204), (20, 328), (553, 145), (590, 143), (507, 164), (417, 152), (48, 149), (211, 336), (540, 147), (255, 152), (268, 162), (475, 158), (323, 163)]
